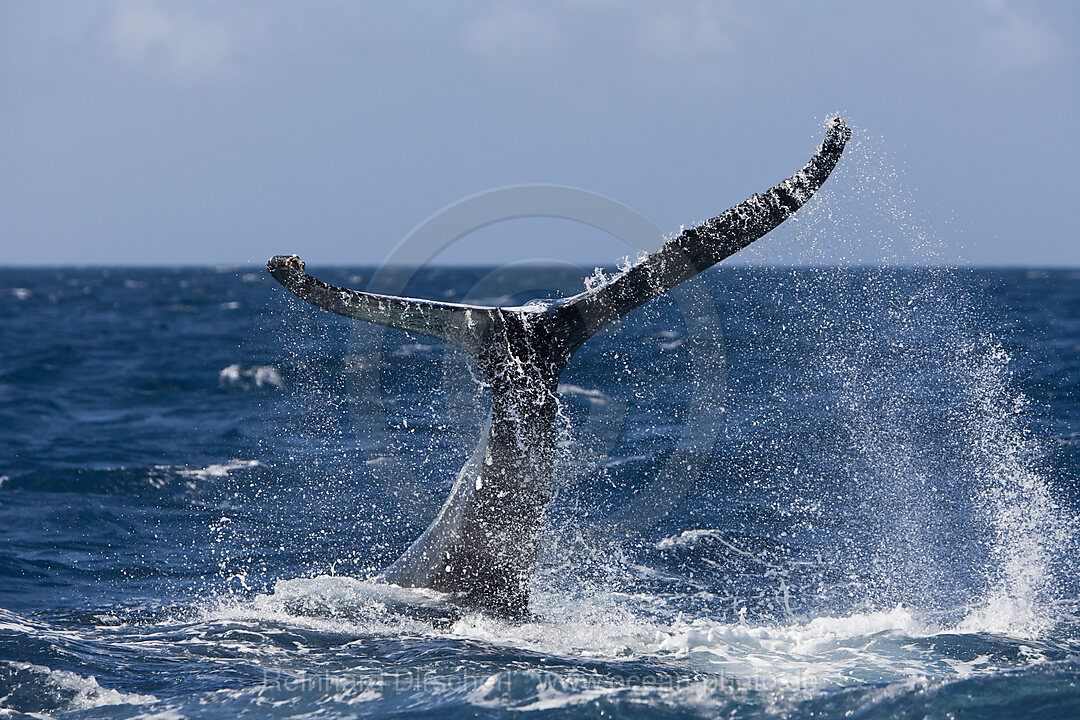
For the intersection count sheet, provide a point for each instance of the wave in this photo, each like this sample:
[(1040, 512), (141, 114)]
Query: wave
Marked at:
[(381, 648), (413, 348), (155, 480), (894, 645), (19, 293), (338, 604), (534, 690), (237, 376), (596, 397), (217, 470), (688, 538), (39, 689)]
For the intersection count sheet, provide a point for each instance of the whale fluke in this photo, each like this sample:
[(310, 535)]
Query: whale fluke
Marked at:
[(483, 542), (457, 324), (703, 245)]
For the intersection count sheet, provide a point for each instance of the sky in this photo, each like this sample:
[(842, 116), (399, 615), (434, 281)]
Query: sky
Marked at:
[(154, 132)]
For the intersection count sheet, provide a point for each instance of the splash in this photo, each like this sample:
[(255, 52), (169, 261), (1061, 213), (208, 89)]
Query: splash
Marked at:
[(1029, 527), (941, 482), (597, 280), (923, 487), (663, 653), (61, 690)]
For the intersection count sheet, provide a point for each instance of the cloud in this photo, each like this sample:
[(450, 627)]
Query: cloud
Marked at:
[(689, 29), (170, 38), (699, 36), (1015, 36), (513, 31)]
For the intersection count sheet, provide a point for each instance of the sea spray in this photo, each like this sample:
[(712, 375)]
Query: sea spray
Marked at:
[(1031, 532), (933, 463), (916, 480)]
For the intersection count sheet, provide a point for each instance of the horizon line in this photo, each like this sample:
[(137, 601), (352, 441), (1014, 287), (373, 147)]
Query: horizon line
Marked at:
[(523, 265)]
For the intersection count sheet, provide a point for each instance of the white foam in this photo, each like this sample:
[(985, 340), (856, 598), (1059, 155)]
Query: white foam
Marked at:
[(219, 470), (1007, 613), (11, 622), (549, 692), (824, 652), (237, 376), (832, 651), (596, 397), (231, 375), (892, 646), (88, 693), (408, 349), (616, 462), (168, 714), (688, 538), (805, 639), (267, 375), (332, 603)]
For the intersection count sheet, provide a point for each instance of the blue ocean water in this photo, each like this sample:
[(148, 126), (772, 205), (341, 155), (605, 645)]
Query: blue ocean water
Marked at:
[(781, 493)]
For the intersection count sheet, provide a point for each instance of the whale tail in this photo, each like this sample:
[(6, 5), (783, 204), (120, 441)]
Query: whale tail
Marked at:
[(457, 324), (484, 540), (571, 321)]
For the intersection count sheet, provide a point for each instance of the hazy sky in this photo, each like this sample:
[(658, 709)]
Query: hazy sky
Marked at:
[(158, 132)]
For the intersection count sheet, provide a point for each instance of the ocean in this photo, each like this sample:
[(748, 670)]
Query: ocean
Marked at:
[(809, 492)]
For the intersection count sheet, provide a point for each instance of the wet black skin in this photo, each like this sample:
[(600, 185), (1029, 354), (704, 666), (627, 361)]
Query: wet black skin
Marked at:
[(484, 541)]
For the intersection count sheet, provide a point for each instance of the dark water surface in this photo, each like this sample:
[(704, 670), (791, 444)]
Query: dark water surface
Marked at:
[(812, 493)]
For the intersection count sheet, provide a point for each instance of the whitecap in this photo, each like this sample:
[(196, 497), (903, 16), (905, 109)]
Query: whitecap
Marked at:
[(548, 691), (231, 375), (219, 470), (340, 604), (596, 397), (688, 538), (87, 693), (826, 651), (616, 462), (237, 376), (267, 375), (408, 349)]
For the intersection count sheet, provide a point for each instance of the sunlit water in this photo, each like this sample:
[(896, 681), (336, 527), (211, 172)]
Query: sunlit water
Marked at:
[(829, 493)]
